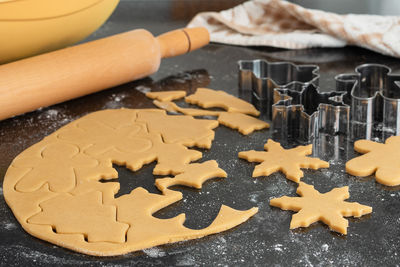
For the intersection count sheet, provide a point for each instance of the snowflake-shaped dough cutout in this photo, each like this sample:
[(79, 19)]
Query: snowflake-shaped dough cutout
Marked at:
[(312, 206), (288, 161), (378, 158)]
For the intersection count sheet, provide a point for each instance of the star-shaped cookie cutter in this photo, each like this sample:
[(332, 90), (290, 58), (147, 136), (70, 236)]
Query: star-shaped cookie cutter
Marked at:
[(374, 95)]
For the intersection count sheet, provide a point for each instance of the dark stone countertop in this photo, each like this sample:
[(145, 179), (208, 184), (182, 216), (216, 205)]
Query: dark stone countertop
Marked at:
[(265, 239)]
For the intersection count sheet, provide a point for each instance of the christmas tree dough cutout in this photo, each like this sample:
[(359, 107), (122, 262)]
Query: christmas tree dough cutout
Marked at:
[(312, 206), (289, 161), (378, 158)]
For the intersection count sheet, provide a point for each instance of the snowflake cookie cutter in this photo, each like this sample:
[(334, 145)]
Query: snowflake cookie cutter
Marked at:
[(301, 111), (289, 96), (374, 95)]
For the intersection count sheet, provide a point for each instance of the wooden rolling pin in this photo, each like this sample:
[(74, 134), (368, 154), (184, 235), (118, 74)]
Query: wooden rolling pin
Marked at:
[(54, 77)]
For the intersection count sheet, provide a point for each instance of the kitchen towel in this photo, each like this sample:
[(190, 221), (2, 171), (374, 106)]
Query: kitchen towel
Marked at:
[(282, 24)]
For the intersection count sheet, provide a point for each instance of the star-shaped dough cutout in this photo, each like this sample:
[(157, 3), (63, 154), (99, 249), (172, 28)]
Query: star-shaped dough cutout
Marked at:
[(312, 206), (288, 161), (378, 158)]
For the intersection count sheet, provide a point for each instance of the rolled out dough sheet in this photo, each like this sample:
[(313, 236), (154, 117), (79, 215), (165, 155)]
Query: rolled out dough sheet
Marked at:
[(54, 188)]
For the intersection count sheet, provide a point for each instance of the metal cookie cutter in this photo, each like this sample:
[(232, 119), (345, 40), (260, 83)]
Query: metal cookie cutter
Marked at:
[(374, 96), (290, 97), (302, 112), (259, 78), (262, 77)]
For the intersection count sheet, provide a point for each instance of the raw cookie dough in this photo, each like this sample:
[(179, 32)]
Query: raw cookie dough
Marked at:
[(54, 191), (245, 124), (196, 132), (166, 95), (312, 206), (208, 98), (378, 158), (172, 107), (194, 175), (289, 161)]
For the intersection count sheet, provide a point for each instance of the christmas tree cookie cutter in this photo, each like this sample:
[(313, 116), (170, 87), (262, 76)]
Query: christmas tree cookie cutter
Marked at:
[(262, 77)]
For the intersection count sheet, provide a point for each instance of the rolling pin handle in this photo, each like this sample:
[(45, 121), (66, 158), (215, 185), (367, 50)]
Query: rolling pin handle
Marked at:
[(178, 42)]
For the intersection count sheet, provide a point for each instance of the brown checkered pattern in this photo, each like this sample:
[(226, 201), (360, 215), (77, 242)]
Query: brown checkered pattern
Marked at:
[(282, 24)]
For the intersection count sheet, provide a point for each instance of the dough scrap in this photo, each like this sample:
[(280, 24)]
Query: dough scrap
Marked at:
[(166, 95), (245, 124), (54, 188), (208, 98), (378, 158), (289, 161), (167, 106), (137, 207), (194, 175), (172, 107), (312, 206)]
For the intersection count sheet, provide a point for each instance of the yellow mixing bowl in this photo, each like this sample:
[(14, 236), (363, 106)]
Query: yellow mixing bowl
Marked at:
[(31, 27)]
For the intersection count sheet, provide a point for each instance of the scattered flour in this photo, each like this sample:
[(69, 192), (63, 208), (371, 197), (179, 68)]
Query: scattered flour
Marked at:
[(325, 247), (222, 239), (54, 117), (278, 247), (253, 197), (50, 114), (186, 260), (10, 226), (1, 190), (15, 253), (115, 101), (143, 89), (118, 97), (154, 252)]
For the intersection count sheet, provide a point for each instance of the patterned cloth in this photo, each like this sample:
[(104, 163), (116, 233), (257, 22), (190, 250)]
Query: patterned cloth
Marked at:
[(282, 24)]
